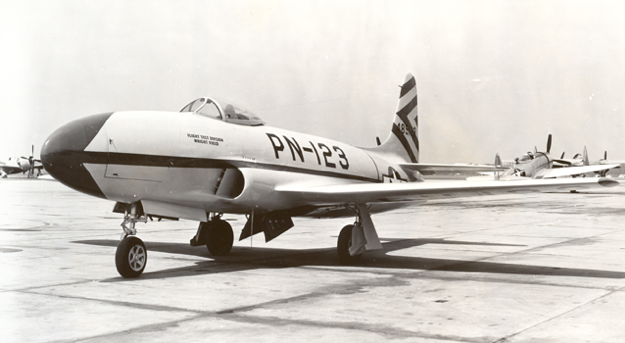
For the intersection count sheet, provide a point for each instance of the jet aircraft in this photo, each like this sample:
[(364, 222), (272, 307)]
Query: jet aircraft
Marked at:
[(21, 165), (214, 157)]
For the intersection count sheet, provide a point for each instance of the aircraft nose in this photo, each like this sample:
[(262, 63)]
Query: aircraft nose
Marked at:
[(63, 153)]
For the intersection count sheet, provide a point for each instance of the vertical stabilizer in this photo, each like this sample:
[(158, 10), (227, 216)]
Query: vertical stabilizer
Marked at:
[(403, 141)]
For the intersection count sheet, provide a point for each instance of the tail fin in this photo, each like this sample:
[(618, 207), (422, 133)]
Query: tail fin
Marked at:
[(403, 141), (498, 163)]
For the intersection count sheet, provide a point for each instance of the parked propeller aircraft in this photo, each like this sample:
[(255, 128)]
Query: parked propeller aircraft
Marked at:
[(601, 162), (21, 165), (540, 165), (578, 160), (582, 159), (214, 157)]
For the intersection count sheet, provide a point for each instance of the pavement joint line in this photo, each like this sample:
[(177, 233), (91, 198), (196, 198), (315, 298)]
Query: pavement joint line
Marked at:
[(119, 303), (564, 242), (156, 326), (424, 274), (504, 339), (31, 289), (382, 330), (235, 315)]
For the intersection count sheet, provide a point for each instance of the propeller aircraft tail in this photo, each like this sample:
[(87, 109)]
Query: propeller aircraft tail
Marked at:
[(403, 141)]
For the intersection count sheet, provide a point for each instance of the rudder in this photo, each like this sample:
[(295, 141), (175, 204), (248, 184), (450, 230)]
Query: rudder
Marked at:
[(403, 141)]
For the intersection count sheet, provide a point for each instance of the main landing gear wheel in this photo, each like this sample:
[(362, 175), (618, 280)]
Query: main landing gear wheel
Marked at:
[(219, 237), (131, 257), (343, 245)]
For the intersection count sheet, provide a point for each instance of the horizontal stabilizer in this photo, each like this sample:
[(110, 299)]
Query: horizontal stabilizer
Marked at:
[(434, 168)]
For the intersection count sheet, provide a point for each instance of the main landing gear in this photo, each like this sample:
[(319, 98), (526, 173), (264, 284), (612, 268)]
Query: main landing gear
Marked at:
[(357, 238), (131, 255), (216, 234), (343, 245)]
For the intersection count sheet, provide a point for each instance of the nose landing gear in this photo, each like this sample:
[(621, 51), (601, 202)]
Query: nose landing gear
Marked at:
[(131, 255)]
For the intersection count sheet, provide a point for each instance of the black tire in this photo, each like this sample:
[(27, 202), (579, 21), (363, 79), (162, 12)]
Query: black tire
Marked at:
[(131, 257), (219, 237), (343, 244)]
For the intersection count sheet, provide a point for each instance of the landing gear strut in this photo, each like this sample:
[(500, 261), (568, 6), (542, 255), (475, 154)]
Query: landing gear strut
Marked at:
[(131, 255), (216, 234)]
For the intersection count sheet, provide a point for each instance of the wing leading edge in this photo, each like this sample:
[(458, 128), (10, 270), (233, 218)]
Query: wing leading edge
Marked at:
[(419, 191), (568, 171)]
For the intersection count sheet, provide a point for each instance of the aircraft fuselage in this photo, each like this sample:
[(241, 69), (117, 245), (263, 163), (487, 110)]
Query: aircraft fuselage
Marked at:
[(202, 163)]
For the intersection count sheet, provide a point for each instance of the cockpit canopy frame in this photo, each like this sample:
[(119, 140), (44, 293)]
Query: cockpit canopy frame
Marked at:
[(223, 110)]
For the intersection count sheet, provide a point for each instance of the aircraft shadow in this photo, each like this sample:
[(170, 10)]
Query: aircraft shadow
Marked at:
[(248, 258)]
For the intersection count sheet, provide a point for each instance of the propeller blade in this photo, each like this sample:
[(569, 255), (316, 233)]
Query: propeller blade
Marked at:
[(605, 155), (562, 155), (549, 143)]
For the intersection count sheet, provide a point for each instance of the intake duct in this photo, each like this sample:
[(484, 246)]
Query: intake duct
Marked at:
[(230, 183)]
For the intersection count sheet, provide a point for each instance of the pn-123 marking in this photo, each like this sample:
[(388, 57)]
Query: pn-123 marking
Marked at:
[(297, 151)]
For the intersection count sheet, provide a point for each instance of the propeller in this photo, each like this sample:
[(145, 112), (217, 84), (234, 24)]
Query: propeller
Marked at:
[(31, 161), (549, 143)]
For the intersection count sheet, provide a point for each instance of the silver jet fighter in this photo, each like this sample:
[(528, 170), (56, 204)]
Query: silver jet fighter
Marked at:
[(215, 157)]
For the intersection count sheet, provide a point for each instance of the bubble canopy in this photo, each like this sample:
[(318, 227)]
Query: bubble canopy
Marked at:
[(223, 110)]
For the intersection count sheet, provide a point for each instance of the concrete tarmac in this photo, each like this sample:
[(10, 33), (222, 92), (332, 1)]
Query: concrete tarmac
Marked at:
[(509, 268)]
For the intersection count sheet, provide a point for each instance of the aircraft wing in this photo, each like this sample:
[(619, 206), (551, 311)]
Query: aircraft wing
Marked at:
[(429, 190), (10, 169), (605, 162), (433, 168), (551, 173)]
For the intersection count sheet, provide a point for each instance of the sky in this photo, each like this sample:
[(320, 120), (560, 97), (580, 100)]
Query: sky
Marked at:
[(492, 76)]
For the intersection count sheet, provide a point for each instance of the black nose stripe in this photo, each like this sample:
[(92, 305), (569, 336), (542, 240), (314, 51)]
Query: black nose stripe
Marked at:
[(62, 154)]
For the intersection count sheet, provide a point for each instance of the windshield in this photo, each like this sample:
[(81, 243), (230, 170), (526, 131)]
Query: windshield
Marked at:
[(525, 158), (223, 110)]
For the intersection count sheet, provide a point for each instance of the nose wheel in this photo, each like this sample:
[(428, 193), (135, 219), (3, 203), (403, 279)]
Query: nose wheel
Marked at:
[(131, 257)]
